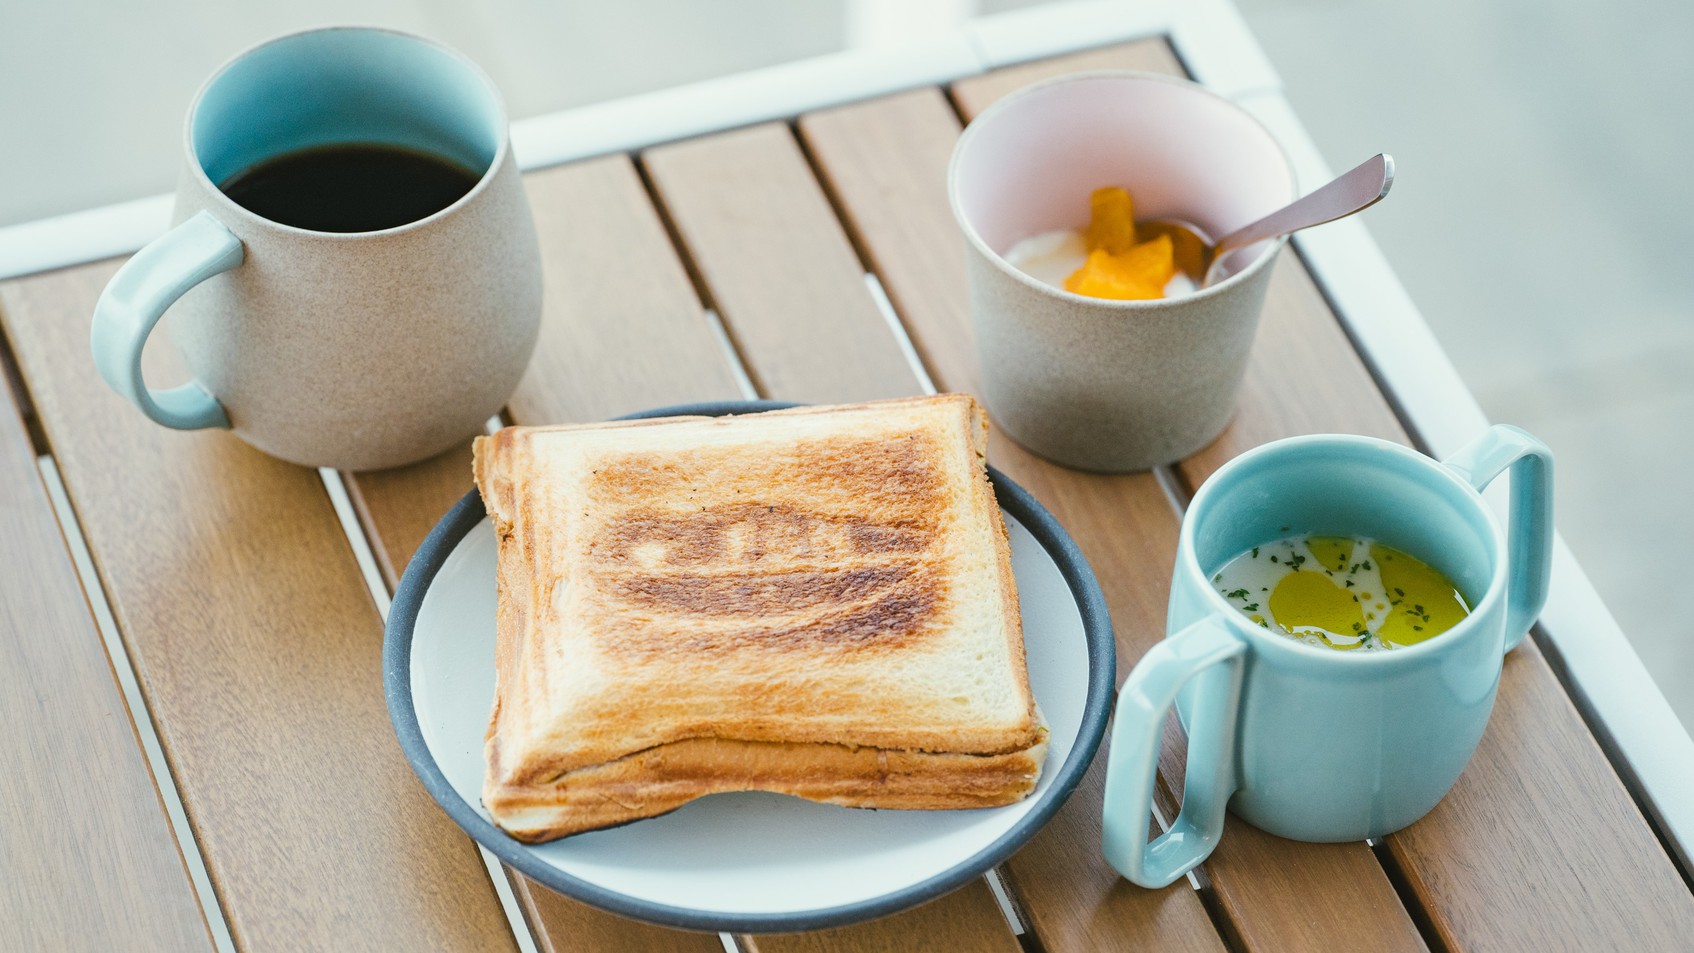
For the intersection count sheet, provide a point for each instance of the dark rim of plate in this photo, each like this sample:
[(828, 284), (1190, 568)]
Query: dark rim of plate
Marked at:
[(468, 512)]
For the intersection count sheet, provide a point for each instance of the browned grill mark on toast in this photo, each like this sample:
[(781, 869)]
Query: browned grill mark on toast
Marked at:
[(759, 594)]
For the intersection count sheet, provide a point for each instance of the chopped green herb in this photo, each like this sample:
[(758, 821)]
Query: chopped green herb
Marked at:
[(1296, 560), (1250, 607), (1273, 559), (1218, 577), (1255, 552), (1366, 564), (1357, 627), (1417, 628), (1350, 585), (1399, 592), (1236, 593), (1285, 529)]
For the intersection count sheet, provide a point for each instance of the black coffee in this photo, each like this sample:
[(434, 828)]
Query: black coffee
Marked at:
[(349, 187)]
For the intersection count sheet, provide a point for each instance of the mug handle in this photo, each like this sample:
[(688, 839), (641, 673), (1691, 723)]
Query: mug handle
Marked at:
[(1529, 536), (1210, 652), (151, 281)]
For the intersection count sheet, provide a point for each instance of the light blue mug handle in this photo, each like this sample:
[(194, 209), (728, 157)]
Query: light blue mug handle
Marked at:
[(136, 299), (1208, 653), (1529, 535)]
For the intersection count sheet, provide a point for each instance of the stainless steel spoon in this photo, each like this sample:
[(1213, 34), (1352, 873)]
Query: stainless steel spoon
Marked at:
[(1198, 255)]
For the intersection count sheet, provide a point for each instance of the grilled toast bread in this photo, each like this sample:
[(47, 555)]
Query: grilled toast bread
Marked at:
[(816, 601)]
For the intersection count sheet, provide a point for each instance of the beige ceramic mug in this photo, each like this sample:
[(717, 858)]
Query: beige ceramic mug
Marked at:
[(1097, 384), (348, 349)]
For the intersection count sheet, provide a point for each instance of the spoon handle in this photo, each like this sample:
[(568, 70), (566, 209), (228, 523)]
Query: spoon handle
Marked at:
[(1360, 188)]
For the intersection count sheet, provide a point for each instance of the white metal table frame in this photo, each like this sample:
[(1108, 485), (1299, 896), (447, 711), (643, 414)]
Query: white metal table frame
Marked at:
[(1618, 699)]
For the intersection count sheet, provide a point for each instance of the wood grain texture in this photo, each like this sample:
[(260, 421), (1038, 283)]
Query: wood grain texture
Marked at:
[(397, 508), (621, 330), (568, 926), (1538, 846), (90, 862), (913, 931), (885, 161), (773, 257), (1303, 376), (754, 210), (259, 651)]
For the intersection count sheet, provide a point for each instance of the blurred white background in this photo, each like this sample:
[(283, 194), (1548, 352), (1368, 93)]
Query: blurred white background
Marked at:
[(1539, 218)]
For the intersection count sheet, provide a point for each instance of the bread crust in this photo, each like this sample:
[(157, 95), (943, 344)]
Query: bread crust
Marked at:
[(660, 780), (791, 601)]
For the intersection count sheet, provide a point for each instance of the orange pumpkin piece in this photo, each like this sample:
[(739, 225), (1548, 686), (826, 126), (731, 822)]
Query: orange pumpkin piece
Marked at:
[(1111, 224), (1137, 274)]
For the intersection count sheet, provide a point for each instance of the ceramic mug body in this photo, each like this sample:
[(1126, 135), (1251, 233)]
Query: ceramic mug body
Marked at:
[(353, 350), (1307, 742), (1092, 383)]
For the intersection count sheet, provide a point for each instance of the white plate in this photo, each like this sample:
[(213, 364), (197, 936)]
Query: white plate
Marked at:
[(746, 862)]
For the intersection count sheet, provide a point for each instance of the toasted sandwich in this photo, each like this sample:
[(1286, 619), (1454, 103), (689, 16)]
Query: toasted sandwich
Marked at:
[(816, 602)]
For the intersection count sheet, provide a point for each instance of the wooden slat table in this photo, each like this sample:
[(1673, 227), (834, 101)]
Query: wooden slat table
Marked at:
[(812, 261)]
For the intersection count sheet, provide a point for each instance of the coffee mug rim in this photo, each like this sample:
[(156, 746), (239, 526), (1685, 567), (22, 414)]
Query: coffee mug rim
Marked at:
[(227, 205), (1295, 650), (1151, 304)]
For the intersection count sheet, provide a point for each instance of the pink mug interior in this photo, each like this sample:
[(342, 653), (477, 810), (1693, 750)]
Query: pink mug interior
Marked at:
[(1028, 164)]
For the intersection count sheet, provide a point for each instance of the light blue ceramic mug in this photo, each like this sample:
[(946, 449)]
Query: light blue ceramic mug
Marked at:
[(1307, 742)]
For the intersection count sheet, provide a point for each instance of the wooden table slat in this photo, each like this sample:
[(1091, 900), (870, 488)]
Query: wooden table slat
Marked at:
[(621, 330), (886, 162), (774, 258), (90, 861), (256, 644)]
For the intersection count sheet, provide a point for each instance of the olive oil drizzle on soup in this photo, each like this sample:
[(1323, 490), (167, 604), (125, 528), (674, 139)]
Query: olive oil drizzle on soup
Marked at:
[(1341, 592)]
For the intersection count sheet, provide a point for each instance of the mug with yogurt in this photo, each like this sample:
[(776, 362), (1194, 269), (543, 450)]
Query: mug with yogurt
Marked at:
[(1091, 382)]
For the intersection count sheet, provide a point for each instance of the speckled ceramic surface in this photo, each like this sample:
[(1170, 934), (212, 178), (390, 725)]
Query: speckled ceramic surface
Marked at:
[(1103, 385), (351, 350)]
